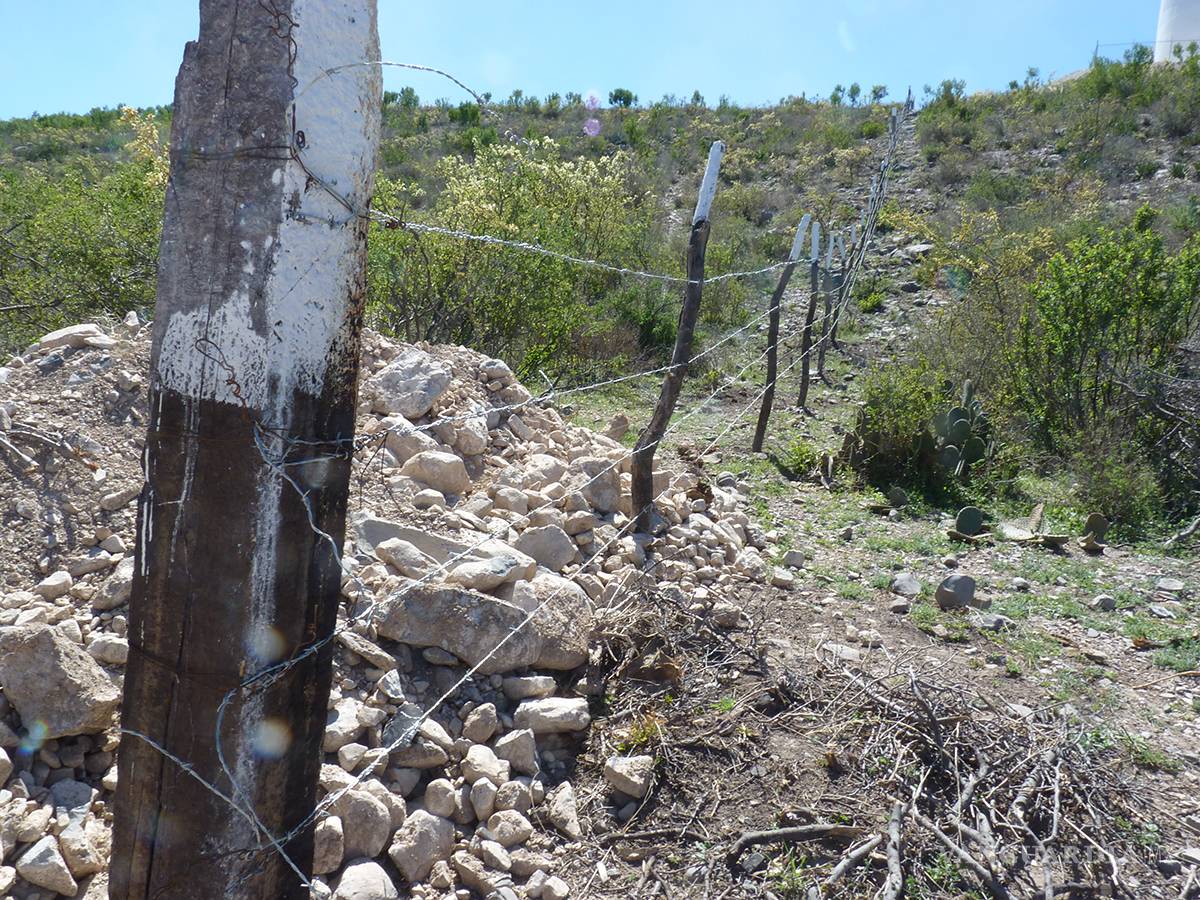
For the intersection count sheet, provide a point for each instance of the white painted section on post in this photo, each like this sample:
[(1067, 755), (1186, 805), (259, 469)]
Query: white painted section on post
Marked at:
[(798, 244), (829, 242), (313, 260), (841, 246), (816, 242), (708, 187)]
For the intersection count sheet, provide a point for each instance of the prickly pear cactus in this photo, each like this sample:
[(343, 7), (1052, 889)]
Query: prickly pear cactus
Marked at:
[(962, 435)]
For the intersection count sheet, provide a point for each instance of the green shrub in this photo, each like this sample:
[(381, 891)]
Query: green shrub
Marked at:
[(872, 128), (77, 244), (533, 309), (872, 302), (801, 457), (1115, 479), (1109, 306), (898, 403)]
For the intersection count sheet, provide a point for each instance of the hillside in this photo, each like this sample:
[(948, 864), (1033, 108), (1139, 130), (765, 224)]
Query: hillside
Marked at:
[(846, 667)]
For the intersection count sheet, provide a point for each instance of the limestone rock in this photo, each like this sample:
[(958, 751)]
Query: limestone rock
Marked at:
[(366, 823), (421, 841), (482, 762), (50, 679), (553, 714), (329, 846), (442, 471), (906, 585), (342, 725), (409, 385), (487, 574), (481, 724), (365, 879), (470, 624), (522, 687), (549, 545), (54, 586), (630, 774), (81, 857), (404, 440), (117, 587), (109, 649), (476, 876), (404, 557), (519, 748), (439, 798), (509, 828), (87, 334), (617, 426), (562, 811), (43, 865), (601, 483)]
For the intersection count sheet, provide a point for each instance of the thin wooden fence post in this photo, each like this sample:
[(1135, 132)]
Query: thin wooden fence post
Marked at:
[(642, 467), (806, 342), (849, 265), (258, 316), (828, 287), (764, 412)]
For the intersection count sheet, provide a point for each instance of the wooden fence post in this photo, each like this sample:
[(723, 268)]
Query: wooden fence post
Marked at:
[(806, 342), (257, 323), (642, 469), (768, 399), (834, 278), (845, 277)]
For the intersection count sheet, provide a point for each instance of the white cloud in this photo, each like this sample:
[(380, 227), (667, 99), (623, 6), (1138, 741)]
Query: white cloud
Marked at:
[(844, 35)]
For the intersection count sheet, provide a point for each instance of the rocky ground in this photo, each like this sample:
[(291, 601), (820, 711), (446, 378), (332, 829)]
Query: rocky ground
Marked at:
[(474, 511), (786, 692)]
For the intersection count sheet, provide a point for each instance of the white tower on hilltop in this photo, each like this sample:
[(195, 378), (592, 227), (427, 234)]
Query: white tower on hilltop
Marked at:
[(1178, 25)]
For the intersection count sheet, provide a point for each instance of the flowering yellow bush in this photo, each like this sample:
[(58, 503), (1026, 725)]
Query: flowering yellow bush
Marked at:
[(146, 146)]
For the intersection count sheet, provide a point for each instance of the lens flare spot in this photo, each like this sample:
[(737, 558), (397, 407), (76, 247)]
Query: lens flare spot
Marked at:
[(591, 127), (272, 738), (267, 645), (35, 737)]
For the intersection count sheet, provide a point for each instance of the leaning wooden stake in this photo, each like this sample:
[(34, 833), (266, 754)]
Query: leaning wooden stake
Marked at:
[(814, 294), (256, 339), (642, 471), (764, 413)]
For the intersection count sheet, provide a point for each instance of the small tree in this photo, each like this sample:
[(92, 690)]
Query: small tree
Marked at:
[(878, 92), (622, 97), (838, 96), (855, 93)]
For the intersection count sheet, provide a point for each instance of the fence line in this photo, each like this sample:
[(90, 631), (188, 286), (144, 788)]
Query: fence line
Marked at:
[(278, 459), (273, 673)]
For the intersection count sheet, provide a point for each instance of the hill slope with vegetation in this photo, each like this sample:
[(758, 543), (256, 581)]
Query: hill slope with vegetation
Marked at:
[(1063, 217)]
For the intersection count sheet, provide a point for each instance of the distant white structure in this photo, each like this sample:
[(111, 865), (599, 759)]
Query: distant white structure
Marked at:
[(1178, 25)]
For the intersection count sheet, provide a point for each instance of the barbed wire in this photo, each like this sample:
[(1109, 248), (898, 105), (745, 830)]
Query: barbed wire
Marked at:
[(272, 673), (276, 451)]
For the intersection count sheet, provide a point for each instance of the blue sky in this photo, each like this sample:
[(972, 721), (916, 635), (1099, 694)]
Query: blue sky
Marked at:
[(72, 55)]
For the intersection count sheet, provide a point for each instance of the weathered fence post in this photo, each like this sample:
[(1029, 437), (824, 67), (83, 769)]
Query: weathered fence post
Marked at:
[(256, 340), (833, 297), (845, 282), (814, 293), (642, 469), (768, 399)]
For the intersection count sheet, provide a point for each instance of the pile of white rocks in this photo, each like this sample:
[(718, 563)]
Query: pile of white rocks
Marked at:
[(510, 543), (526, 512)]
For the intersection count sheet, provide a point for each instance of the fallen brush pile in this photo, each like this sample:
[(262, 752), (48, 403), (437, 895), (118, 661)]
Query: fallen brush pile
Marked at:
[(896, 784)]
